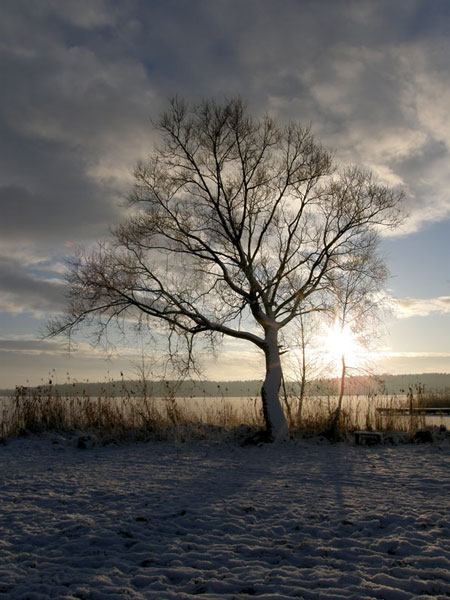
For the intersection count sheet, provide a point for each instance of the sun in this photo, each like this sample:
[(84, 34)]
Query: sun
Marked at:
[(329, 344), (340, 342)]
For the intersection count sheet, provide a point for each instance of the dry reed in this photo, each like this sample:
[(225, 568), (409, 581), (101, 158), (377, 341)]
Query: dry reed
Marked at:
[(44, 409)]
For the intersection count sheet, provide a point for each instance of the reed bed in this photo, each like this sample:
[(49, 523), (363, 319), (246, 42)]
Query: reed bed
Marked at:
[(44, 409), (435, 399), (357, 413)]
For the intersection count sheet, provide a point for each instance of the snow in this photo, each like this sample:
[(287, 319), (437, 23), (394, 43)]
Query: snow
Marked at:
[(215, 520)]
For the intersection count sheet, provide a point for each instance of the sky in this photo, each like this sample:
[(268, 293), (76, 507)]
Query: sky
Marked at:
[(82, 81)]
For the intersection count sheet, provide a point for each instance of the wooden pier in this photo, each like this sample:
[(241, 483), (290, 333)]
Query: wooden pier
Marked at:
[(419, 411)]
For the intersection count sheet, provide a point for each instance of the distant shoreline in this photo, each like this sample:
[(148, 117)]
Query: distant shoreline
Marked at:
[(355, 385)]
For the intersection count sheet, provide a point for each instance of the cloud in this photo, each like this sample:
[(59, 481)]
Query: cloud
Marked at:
[(31, 347), (23, 291), (414, 362), (405, 308), (81, 13), (81, 81), (25, 360), (380, 104), (25, 347), (72, 122), (81, 84), (28, 216)]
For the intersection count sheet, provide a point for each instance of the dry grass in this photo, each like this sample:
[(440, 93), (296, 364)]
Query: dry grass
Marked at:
[(43, 409), (36, 410), (435, 399), (358, 413)]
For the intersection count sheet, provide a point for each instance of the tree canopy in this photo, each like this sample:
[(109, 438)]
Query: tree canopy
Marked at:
[(237, 222)]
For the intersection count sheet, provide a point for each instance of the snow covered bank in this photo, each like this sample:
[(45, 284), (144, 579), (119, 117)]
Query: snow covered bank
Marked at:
[(205, 520)]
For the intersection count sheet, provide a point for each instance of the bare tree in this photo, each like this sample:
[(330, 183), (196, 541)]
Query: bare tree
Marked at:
[(238, 221), (356, 311), (309, 365)]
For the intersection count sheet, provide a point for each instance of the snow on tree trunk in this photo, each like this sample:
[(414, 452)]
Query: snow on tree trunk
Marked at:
[(274, 416)]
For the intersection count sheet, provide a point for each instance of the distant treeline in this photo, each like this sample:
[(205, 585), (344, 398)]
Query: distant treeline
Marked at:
[(158, 389), (356, 385)]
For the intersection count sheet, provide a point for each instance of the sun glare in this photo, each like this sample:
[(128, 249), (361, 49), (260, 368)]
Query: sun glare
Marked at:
[(341, 342), (327, 347)]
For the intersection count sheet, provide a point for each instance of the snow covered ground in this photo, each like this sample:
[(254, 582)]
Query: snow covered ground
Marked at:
[(214, 520)]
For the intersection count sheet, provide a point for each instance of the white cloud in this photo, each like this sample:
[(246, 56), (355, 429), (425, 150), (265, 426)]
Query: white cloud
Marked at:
[(405, 308)]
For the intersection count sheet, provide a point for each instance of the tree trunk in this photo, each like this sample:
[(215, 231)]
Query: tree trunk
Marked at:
[(333, 430), (302, 384), (276, 423), (286, 403), (341, 388)]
